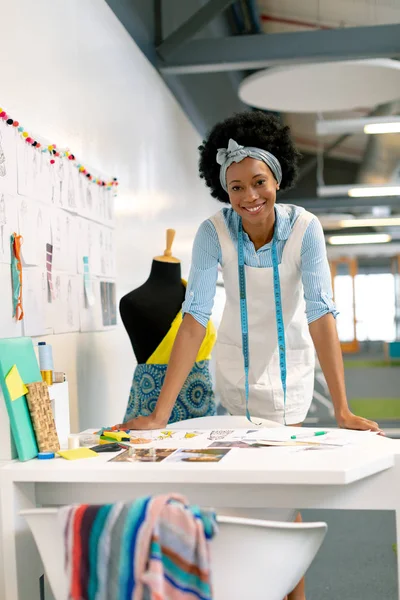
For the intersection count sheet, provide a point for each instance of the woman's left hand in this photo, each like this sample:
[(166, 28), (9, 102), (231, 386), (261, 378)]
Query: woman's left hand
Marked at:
[(351, 421), (145, 423)]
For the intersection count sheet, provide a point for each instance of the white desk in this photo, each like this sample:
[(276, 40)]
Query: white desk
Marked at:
[(354, 477)]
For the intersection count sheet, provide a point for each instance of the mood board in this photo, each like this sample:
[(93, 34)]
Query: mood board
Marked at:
[(68, 242)]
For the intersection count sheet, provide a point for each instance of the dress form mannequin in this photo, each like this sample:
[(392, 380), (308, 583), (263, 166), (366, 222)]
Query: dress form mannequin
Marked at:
[(148, 311), (152, 317)]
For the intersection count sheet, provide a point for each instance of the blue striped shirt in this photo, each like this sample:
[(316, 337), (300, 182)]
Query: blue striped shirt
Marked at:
[(207, 255)]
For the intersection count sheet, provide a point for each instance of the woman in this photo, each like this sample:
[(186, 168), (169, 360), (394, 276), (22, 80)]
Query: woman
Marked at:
[(273, 316)]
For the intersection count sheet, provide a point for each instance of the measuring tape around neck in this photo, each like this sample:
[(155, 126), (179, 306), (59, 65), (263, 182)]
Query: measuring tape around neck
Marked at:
[(244, 320)]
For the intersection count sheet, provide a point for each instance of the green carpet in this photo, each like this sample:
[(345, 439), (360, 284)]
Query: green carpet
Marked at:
[(367, 364), (376, 408)]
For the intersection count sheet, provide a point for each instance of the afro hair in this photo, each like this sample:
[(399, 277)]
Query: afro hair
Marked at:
[(250, 128)]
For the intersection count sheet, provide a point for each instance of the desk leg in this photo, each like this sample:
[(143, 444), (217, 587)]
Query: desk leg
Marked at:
[(20, 561)]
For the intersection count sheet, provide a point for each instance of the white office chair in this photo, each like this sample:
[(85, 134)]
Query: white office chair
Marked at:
[(262, 560), (223, 422), (253, 559)]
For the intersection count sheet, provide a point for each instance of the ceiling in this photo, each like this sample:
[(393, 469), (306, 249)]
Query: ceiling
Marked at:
[(292, 15), (175, 33)]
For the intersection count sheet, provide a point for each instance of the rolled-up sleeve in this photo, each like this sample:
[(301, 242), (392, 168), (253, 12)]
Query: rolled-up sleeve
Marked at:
[(200, 292), (316, 274)]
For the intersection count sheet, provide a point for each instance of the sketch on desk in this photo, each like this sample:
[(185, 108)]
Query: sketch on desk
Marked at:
[(219, 434)]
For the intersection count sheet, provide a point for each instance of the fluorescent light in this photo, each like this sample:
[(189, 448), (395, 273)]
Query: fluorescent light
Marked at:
[(358, 191), (383, 222), (337, 126), (374, 190), (392, 127), (370, 238)]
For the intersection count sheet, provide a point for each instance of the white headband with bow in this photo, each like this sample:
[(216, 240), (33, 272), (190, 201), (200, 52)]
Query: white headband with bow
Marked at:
[(236, 153)]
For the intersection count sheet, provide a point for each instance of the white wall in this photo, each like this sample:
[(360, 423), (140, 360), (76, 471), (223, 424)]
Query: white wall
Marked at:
[(72, 74)]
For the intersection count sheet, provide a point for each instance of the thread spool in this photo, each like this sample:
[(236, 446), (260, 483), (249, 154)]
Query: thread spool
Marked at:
[(59, 377), (45, 357), (73, 442), (47, 377)]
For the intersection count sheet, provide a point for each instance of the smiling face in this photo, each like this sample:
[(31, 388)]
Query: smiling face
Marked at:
[(252, 190)]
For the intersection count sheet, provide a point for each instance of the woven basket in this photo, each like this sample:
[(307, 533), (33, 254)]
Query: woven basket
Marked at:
[(39, 404)]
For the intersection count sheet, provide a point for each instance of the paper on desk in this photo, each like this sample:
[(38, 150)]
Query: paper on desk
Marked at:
[(15, 385), (336, 437)]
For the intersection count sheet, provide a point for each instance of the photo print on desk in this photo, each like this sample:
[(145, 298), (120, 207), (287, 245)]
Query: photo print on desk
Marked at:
[(205, 455), (148, 455)]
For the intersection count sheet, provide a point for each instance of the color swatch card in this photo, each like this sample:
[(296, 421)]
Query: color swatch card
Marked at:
[(87, 282)]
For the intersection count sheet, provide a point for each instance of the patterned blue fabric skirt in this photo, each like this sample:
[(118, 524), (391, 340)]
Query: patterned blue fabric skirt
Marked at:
[(196, 398)]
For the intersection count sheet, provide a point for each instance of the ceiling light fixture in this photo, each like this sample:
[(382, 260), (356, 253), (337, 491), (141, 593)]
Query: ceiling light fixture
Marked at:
[(358, 191), (353, 223), (370, 238), (384, 222), (368, 125), (392, 127), (374, 190)]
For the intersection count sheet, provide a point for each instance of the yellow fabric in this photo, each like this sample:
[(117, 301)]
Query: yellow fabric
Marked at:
[(162, 353)]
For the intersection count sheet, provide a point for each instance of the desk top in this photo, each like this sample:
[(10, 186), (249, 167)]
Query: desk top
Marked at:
[(260, 466)]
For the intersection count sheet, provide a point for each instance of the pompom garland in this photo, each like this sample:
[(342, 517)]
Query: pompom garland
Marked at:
[(55, 152)]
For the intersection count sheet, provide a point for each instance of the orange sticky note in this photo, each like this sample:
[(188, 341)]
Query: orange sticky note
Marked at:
[(15, 385)]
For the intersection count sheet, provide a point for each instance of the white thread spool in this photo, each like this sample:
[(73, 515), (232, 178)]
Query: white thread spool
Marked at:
[(73, 442)]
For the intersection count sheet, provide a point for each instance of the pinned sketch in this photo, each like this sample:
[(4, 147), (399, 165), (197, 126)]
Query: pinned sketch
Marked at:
[(34, 226), (66, 303), (8, 224), (89, 245), (64, 241), (95, 202), (37, 309), (9, 327), (69, 186), (106, 251), (49, 272), (108, 303), (8, 158), (91, 318), (31, 174)]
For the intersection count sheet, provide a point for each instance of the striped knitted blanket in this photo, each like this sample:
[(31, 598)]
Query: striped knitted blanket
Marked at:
[(151, 549)]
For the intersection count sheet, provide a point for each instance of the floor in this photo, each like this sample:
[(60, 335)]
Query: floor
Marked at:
[(357, 560)]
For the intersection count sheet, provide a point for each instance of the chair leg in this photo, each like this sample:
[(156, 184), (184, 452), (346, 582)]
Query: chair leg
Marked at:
[(299, 592)]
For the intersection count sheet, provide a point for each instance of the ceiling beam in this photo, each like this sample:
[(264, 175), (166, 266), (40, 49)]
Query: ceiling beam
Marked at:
[(195, 23), (258, 51), (344, 204)]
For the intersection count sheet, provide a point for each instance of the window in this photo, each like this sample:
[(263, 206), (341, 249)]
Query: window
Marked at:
[(375, 306)]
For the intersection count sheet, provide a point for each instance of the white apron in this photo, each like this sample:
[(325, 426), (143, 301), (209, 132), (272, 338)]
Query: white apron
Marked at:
[(265, 386)]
